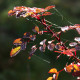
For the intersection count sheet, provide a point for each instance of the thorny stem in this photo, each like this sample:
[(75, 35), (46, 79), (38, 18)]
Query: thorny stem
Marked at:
[(61, 70), (53, 34), (78, 60)]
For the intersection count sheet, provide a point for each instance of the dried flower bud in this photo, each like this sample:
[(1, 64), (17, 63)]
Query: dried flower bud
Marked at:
[(35, 29), (64, 28), (33, 37), (40, 32), (42, 48), (72, 44), (57, 46), (33, 49), (23, 46), (77, 47), (78, 30), (77, 38), (78, 78), (27, 11), (49, 42), (43, 42), (27, 35), (55, 76), (19, 14), (51, 46)]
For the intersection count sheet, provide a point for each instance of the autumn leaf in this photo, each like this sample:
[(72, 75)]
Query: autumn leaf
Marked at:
[(53, 70)]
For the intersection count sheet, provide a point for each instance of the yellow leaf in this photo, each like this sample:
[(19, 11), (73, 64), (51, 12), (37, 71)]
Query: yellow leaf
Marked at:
[(15, 51), (28, 14), (76, 68), (50, 78), (53, 70)]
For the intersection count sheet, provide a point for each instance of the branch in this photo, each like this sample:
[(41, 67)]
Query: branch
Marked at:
[(57, 38)]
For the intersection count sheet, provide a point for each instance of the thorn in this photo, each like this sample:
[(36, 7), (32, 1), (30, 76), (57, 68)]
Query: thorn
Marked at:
[(49, 26), (75, 53)]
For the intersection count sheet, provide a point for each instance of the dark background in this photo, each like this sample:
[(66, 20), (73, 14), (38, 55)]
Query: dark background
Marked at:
[(19, 67)]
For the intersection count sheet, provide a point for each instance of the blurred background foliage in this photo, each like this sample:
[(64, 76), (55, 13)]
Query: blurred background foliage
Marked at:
[(19, 67)]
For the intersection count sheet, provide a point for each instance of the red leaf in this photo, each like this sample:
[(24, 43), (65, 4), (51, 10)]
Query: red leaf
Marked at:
[(76, 73)]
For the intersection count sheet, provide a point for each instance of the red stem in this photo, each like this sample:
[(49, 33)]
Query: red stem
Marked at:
[(61, 70), (57, 38), (78, 60)]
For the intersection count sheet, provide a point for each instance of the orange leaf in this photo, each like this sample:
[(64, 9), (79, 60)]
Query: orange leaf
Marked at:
[(36, 28), (17, 41), (11, 12), (53, 70), (38, 10), (28, 14), (49, 7), (69, 68), (47, 13)]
